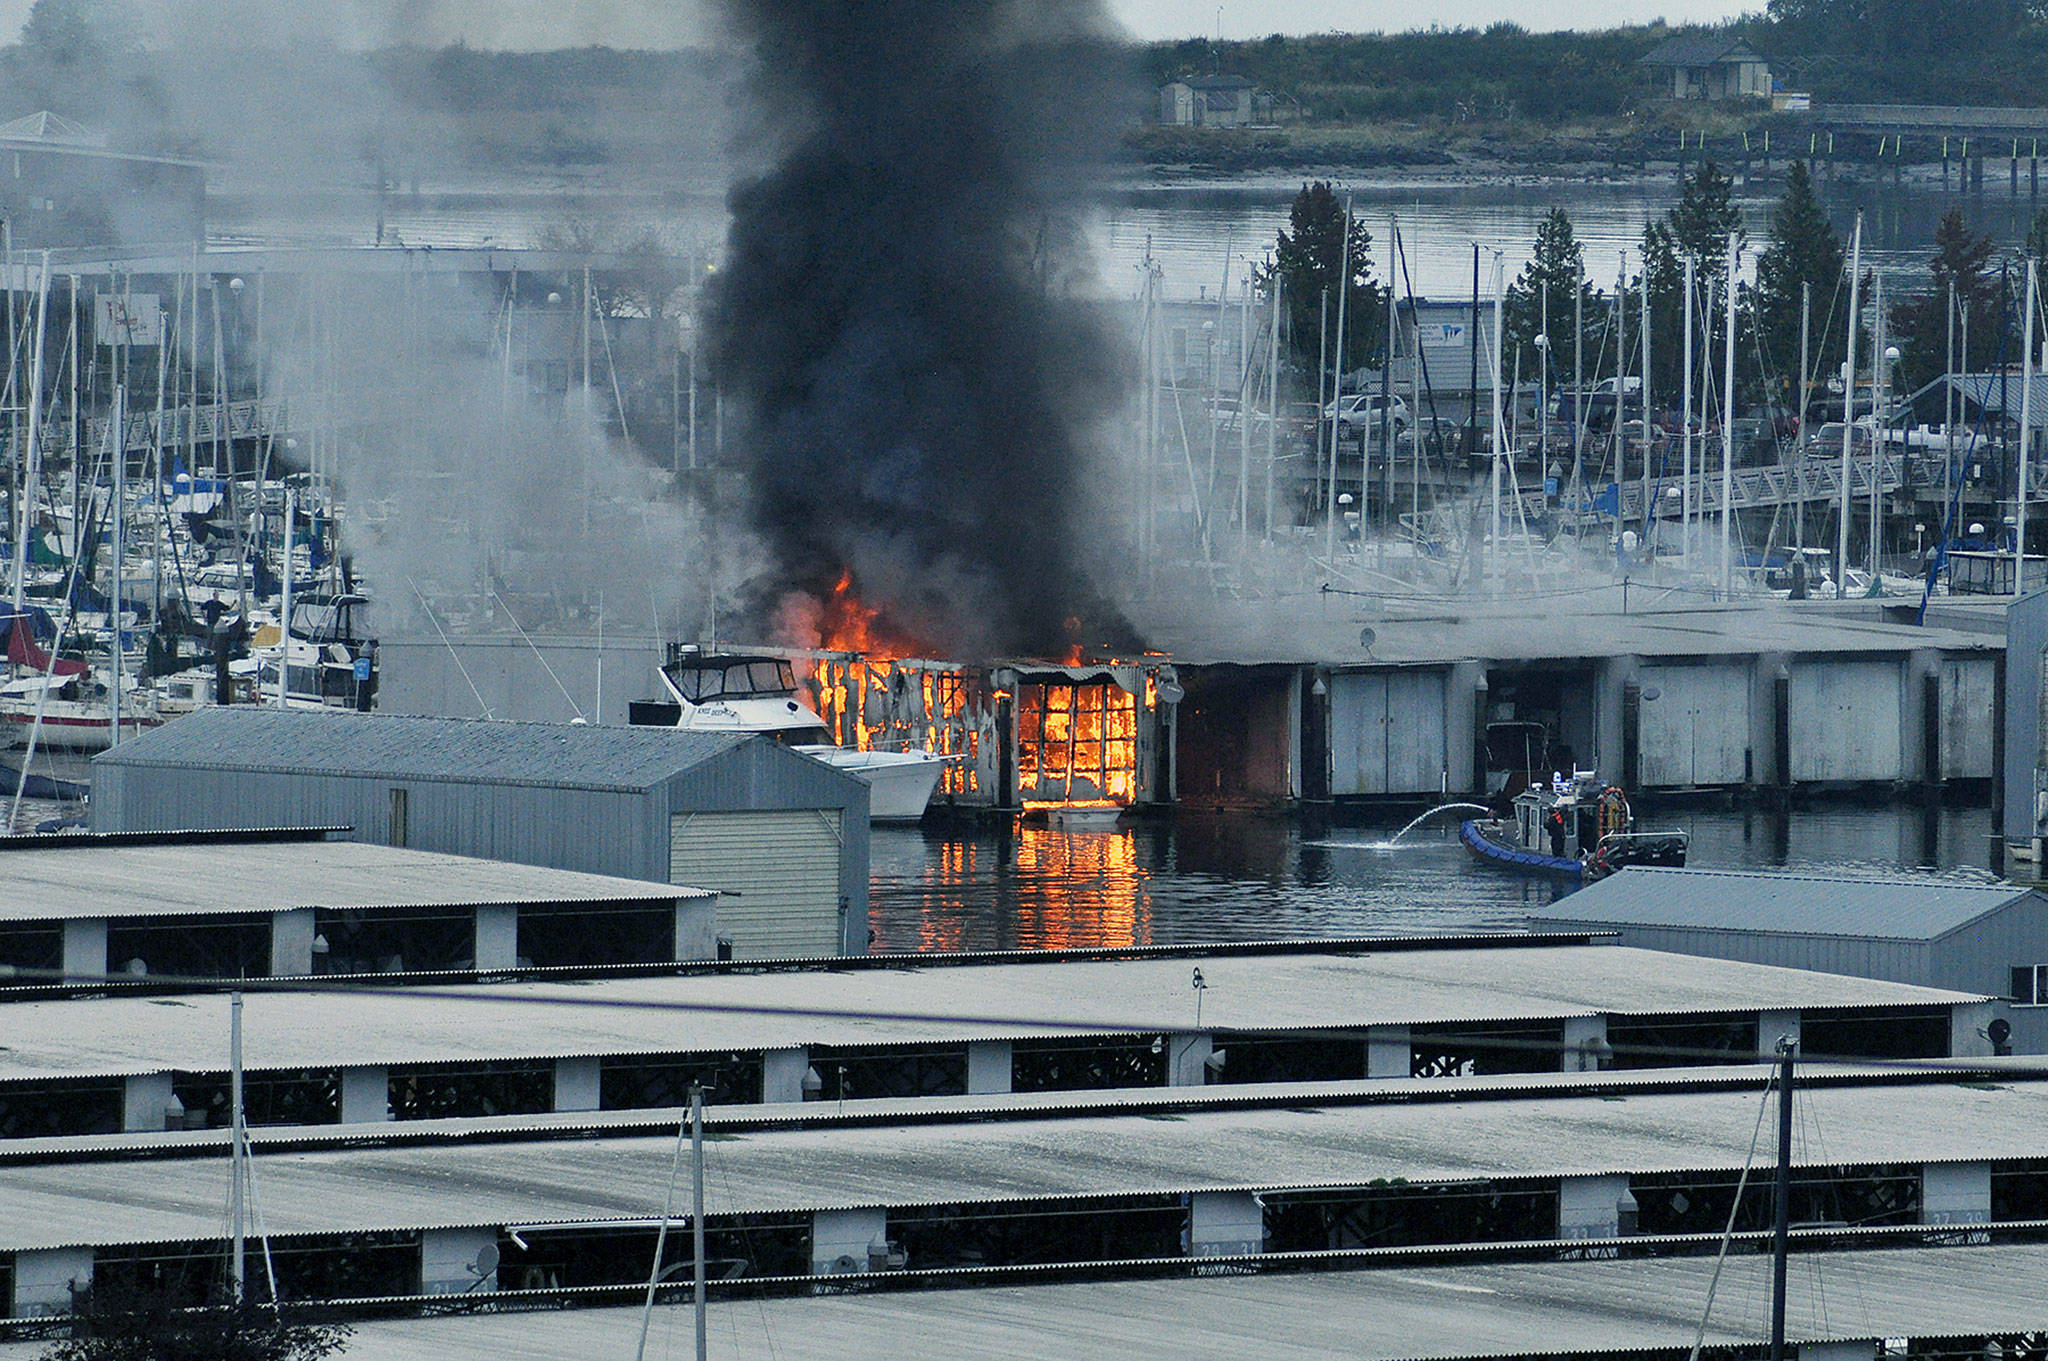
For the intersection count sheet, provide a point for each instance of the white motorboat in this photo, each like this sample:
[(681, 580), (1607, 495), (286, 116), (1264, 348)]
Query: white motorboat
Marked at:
[(755, 693)]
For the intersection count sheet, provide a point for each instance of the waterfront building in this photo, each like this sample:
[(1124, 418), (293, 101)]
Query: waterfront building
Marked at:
[(781, 837), (1711, 66), (298, 903), (1576, 1167), (1983, 938), (1217, 101), (937, 1027)]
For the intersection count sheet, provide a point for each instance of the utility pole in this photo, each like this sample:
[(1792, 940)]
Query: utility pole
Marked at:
[(697, 1213), (238, 1168), (1788, 1049)]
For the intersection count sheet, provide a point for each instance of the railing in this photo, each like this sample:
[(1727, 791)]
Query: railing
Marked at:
[(1813, 479), (177, 427)]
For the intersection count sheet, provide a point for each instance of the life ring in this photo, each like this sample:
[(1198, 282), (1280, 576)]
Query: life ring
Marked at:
[(1613, 811)]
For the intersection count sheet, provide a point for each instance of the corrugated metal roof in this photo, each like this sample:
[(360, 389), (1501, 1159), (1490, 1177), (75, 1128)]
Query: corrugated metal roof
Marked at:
[(911, 1005), (800, 1170), (401, 746), (2002, 392), (1436, 632), (116, 881), (1794, 904), (1698, 49), (1415, 1313)]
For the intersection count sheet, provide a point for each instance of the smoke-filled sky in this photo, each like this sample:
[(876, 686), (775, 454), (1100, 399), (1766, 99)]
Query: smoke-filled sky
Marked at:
[(672, 23)]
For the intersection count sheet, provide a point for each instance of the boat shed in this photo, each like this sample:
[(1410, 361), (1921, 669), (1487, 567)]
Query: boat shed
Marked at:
[(1983, 938), (780, 837), (928, 1027), (1842, 1307), (1015, 1183), (293, 903)]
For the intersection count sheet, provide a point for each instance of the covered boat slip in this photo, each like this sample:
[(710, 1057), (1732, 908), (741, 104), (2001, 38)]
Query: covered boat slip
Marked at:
[(1840, 1305), (913, 1001), (293, 903), (1391, 697), (1954, 1153)]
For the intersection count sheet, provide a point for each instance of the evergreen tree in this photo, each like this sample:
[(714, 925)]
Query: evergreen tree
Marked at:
[(1308, 260), (1920, 323), (1664, 277), (1553, 274), (1705, 214), (1804, 251), (2037, 237), (153, 1324)]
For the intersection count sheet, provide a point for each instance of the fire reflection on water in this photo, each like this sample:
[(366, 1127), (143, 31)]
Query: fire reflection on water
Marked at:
[(1087, 890)]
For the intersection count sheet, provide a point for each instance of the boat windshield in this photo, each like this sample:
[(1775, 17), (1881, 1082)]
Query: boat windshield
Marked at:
[(759, 677)]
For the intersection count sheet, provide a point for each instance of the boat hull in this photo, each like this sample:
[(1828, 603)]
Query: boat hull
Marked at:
[(71, 731), (900, 783), (1488, 843)]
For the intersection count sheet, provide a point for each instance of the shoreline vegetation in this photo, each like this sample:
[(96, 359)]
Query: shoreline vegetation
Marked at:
[(1439, 103)]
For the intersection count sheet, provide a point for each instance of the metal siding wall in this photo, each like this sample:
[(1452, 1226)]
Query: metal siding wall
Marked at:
[(1979, 958), (595, 831), (1845, 720), (1856, 956), (2026, 636)]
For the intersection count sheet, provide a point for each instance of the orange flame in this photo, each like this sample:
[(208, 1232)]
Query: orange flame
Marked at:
[(847, 623)]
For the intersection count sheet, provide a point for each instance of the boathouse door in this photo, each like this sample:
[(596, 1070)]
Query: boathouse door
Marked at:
[(1844, 720), (1387, 732), (1695, 731), (776, 875)]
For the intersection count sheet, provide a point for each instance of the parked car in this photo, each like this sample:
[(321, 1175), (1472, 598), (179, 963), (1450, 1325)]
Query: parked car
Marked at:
[(1357, 409)]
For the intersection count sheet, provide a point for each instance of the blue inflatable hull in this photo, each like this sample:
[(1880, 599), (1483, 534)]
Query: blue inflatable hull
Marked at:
[(1499, 853)]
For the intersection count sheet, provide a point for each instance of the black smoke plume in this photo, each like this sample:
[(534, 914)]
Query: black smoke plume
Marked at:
[(922, 404)]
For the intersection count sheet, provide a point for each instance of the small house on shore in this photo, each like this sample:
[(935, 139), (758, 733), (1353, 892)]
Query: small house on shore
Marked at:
[(1208, 102), (1709, 66)]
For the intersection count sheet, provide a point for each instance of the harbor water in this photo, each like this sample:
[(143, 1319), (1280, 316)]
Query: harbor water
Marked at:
[(1243, 876)]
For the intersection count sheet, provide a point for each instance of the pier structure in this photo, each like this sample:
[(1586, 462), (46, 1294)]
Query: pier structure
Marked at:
[(1627, 1309), (463, 1042), (301, 903), (1500, 1099)]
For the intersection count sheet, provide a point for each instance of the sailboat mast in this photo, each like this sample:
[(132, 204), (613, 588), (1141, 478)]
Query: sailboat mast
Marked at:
[(1499, 426), (1728, 430), (1849, 399), (1337, 379), (1643, 325), (2019, 562), (118, 433), (1880, 375), (1799, 420), (32, 466), (1685, 413)]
